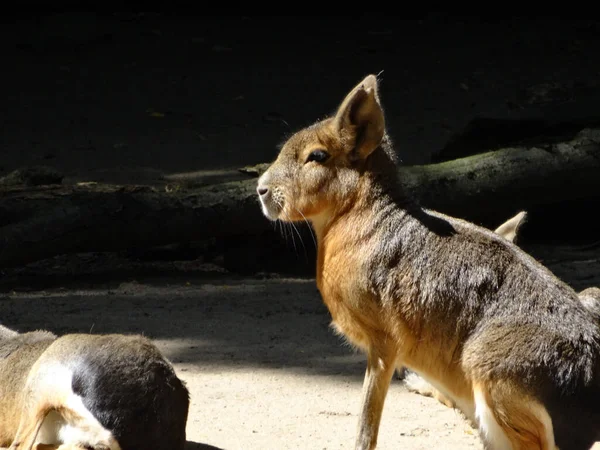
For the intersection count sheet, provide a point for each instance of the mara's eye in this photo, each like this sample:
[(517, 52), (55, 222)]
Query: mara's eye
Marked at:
[(318, 156)]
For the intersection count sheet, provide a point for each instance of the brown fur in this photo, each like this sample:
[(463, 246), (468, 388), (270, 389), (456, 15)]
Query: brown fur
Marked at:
[(122, 381), (456, 303)]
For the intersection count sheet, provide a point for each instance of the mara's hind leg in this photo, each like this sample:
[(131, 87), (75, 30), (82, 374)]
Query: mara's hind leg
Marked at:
[(509, 419)]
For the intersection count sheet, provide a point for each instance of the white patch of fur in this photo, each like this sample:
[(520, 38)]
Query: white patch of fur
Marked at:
[(491, 432), (267, 207), (7, 333), (267, 204), (85, 430), (467, 408), (416, 383)]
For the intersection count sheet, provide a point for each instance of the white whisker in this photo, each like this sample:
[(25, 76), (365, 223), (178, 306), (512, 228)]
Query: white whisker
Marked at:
[(282, 224), (309, 226), (289, 226), (299, 236)]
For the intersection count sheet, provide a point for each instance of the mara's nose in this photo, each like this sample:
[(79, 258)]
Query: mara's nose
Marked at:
[(262, 190)]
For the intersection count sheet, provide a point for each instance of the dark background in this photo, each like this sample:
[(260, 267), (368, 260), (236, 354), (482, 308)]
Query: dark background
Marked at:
[(94, 92), (129, 97)]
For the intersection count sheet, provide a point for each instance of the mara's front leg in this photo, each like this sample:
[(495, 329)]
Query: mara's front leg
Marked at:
[(381, 364)]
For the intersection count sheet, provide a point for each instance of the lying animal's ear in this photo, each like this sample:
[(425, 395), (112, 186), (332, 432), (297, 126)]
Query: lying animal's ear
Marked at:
[(510, 228), (359, 121)]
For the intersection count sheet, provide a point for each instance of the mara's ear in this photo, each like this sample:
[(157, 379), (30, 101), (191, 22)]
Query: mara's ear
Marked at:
[(510, 228), (360, 118)]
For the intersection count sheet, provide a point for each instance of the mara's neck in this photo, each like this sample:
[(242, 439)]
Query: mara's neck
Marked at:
[(359, 214)]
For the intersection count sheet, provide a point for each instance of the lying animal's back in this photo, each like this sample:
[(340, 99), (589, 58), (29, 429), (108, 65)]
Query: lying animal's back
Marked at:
[(120, 386), (17, 355), (129, 387)]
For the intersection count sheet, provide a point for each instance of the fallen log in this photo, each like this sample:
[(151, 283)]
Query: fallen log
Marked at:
[(38, 222), (483, 134), (485, 187)]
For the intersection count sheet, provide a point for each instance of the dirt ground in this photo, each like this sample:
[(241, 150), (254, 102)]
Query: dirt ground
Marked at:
[(264, 369), (129, 97)]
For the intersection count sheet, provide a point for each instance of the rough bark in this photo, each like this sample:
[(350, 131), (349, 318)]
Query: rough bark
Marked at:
[(37, 222)]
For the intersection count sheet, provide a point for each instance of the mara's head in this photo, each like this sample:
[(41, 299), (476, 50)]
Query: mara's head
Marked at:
[(319, 169)]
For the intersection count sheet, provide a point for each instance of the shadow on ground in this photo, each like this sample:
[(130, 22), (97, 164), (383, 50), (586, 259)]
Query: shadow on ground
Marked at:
[(274, 323)]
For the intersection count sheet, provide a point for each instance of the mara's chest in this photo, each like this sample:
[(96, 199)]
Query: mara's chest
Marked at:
[(355, 309)]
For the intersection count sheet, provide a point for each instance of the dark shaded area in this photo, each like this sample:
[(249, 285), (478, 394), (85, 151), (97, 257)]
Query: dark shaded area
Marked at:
[(277, 323), (122, 94), (562, 221), (574, 222), (484, 134)]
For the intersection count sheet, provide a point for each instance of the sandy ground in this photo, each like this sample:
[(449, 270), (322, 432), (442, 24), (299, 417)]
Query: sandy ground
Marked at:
[(264, 369), (128, 97)]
